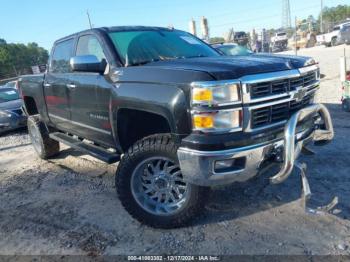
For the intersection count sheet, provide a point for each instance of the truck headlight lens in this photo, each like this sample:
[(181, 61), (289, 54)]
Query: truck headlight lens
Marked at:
[(215, 93), (224, 120)]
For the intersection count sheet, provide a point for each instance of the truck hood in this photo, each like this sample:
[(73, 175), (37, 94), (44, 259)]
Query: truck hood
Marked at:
[(232, 67)]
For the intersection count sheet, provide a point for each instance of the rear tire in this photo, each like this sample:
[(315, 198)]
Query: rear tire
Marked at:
[(150, 185), (44, 146)]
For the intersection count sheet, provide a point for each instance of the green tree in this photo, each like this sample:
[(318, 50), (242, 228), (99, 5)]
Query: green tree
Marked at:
[(214, 40), (18, 58), (334, 15)]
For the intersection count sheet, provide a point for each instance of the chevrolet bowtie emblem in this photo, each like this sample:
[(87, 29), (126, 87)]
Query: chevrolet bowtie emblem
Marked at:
[(299, 94)]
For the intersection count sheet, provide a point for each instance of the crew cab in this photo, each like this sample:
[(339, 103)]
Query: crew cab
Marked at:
[(177, 115)]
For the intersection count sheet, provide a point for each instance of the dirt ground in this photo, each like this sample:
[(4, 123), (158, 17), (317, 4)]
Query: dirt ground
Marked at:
[(68, 205)]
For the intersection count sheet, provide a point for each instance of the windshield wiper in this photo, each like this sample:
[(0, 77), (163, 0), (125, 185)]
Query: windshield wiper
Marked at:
[(146, 62), (195, 56)]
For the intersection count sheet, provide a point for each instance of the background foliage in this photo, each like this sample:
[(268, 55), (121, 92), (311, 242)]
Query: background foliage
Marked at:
[(335, 15), (17, 59)]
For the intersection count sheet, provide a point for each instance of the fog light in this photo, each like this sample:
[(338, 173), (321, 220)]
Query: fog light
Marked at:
[(229, 165), (224, 164)]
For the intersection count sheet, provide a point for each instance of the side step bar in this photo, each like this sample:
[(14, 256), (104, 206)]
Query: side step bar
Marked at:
[(95, 151)]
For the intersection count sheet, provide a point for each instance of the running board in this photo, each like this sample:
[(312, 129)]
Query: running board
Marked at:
[(95, 151)]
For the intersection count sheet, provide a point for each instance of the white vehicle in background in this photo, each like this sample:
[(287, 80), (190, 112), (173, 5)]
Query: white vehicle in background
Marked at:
[(280, 36), (279, 42), (331, 38)]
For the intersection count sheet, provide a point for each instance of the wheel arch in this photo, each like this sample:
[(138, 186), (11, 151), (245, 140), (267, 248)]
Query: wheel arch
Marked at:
[(30, 106), (135, 124)]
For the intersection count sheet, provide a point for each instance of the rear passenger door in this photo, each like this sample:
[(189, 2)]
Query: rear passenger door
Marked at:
[(85, 98), (55, 84)]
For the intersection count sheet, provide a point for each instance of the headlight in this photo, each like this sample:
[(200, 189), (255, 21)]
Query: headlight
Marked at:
[(218, 121), (4, 114), (216, 93)]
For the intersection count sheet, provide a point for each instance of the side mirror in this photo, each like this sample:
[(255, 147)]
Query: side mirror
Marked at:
[(88, 63)]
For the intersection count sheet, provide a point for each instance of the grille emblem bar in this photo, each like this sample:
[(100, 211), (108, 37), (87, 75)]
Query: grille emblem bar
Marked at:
[(299, 94)]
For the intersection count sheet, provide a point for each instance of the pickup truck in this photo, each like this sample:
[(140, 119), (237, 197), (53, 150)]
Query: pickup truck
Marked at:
[(178, 116), (331, 38)]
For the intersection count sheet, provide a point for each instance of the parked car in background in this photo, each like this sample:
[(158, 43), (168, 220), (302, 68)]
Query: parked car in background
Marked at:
[(231, 49), (12, 84), (331, 39), (346, 93), (279, 42), (344, 35), (280, 36), (11, 114)]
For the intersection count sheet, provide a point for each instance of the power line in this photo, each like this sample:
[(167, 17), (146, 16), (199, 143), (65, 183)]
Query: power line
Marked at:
[(227, 13), (258, 18)]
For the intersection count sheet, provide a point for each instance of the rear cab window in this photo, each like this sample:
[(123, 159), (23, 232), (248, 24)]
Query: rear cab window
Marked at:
[(60, 57)]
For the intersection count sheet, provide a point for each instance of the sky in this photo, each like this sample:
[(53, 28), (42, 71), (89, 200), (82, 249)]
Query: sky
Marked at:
[(44, 21)]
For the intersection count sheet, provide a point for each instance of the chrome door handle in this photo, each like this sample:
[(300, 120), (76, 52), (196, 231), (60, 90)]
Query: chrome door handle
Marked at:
[(47, 85), (71, 86)]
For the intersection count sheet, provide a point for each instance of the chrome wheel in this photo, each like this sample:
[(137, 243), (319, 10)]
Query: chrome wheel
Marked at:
[(158, 187)]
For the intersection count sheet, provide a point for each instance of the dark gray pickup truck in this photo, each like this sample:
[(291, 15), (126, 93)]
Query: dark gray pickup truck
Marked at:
[(177, 116)]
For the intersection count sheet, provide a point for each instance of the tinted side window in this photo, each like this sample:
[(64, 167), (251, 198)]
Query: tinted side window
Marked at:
[(61, 57), (89, 45)]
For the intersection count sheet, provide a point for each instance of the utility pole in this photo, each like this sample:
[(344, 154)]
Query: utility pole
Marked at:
[(286, 23), (296, 36), (321, 18), (88, 15), (14, 68)]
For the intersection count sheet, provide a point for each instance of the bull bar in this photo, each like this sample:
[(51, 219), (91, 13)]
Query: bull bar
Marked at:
[(198, 167)]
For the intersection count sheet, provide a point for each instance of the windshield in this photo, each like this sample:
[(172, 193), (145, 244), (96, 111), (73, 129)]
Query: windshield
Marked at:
[(11, 85), (281, 34), (345, 28), (232, 50), (141, 47), (8, 94)]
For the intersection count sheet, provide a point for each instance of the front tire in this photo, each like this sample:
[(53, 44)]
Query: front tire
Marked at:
[(334, 41), (44, 146), (151, 188)]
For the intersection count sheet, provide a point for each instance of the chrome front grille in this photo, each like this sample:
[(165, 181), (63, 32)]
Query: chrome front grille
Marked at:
[(269, 88), (269, 99), (267, 115)]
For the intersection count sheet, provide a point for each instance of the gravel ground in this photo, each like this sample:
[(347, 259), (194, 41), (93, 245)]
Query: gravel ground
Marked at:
[(68, 205)]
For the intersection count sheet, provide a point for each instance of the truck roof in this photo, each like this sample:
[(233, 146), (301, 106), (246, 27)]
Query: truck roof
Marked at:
[(117, 29)]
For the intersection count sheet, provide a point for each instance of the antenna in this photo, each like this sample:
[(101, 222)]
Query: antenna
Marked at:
[(88, 15), (286, 21)]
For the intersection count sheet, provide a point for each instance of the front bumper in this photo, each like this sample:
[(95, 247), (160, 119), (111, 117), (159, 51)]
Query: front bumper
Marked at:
[(12, 123), (202, 167)]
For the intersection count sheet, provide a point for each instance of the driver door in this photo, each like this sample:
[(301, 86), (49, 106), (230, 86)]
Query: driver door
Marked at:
[(89, 96)]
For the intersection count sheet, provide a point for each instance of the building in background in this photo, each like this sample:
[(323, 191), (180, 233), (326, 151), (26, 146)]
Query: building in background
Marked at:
[(192, 27)]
